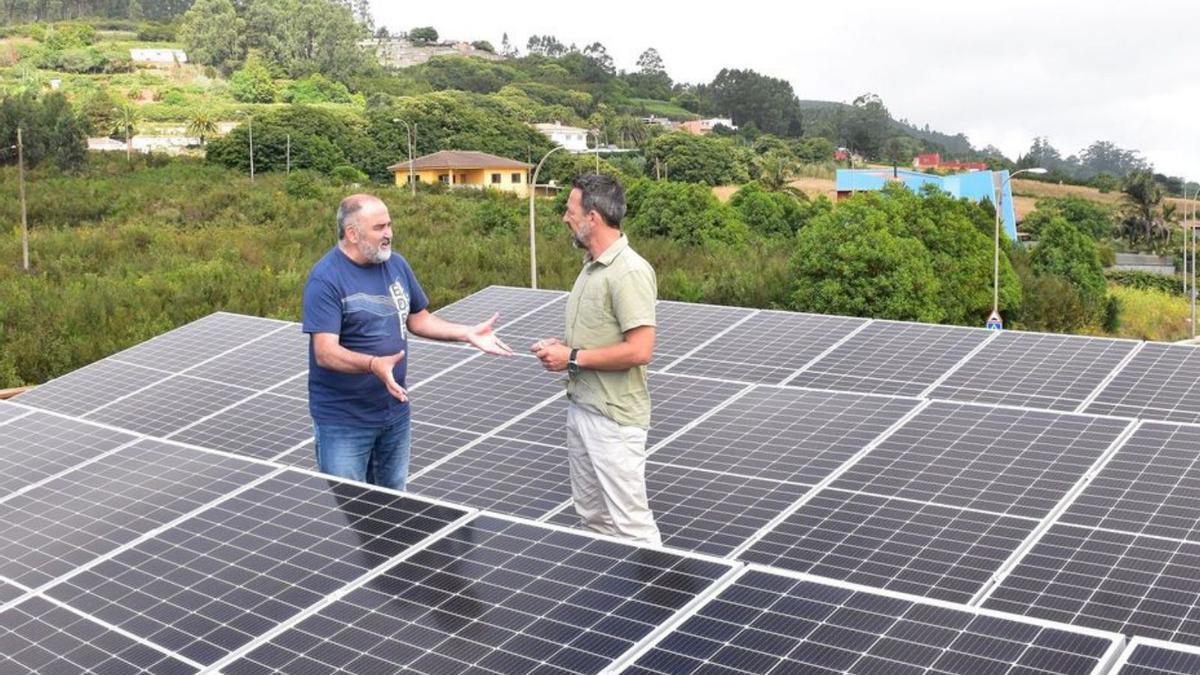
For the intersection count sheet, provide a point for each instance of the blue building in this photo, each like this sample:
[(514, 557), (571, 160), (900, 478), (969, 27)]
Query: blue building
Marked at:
[(976, 185)]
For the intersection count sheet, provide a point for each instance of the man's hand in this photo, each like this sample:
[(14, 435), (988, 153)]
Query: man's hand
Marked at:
[(485, 340), (553, 354), (381, 367)]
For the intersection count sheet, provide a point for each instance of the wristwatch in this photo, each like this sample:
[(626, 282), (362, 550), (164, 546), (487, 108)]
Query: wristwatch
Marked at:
[(572, 366)]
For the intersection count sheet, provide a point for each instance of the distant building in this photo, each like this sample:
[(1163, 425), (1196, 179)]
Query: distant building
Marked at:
[(660, 121), (975, 185), (701, 127), (463, 168), (401, 53), (933, 160), (164, 56), (571, 138)]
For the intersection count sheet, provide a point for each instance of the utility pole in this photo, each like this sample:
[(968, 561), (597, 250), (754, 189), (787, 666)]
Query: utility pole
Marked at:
[(289, 154), (251, 149), (21, 183)]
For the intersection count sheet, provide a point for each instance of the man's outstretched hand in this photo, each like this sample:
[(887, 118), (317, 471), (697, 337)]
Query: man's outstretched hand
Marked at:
[(382, 367), (485, 339)]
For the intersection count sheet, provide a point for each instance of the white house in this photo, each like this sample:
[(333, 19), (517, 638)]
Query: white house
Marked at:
[(571, 138), (168, 56)]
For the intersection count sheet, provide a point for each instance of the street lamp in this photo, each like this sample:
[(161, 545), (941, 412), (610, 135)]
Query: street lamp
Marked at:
[(410, 133), (532, 226), (996, 260)]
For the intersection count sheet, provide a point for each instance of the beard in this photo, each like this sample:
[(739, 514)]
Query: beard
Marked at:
[(376, 254), (579, 237)]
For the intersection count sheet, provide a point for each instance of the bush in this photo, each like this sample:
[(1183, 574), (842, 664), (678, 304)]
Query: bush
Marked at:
[(1067, 253), (1146, 281), (315, 88), (772, 213), (303, 184), (346, 175), (685, 212), (252, 83), (699, 159), (156, 32)]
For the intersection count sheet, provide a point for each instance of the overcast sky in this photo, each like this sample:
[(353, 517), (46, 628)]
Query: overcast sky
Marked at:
[(1000, 72)]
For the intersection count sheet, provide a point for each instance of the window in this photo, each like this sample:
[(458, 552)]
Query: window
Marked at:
[(495, 179), (444, 178), (516, 178), (415, 178)]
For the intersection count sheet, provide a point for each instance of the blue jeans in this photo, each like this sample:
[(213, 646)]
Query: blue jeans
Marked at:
[(376, 455)]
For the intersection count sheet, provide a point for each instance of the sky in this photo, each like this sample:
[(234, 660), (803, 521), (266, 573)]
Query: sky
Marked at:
[(999, 72)]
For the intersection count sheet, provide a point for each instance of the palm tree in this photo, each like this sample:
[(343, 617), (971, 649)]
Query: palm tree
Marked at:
[(201, 124), (1145, 217), (776, 170), (126, 119)]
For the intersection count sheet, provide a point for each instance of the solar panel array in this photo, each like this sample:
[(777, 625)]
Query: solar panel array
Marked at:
[(835, 495)]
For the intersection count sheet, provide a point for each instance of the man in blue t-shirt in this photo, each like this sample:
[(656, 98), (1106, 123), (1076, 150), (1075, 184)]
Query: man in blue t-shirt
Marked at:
[(360, 304)]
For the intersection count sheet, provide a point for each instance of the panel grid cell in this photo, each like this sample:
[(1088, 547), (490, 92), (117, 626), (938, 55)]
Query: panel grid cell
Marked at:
[(510, 303), (40, 445), (169, 406), (1108, 580), (485, 393), (889, 357), (261, 427), (676, 401), (217, 580), (197, 341), (9, 592), (909, 547), (771, 623), (41, 637), (90, 387), (1161, 382), (785, 434), (9, 411), (497, 597), (506, 476), (1057, 372), (261, 363), (1150, 486), (768, 347), (75, 518), (707, 512), (1004, 460), (1153, 657)]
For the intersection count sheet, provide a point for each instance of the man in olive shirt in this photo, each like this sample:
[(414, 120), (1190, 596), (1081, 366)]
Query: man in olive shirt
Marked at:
[(609, 341)]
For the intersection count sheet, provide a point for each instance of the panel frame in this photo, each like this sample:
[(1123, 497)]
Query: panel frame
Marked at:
[(1154, 643)]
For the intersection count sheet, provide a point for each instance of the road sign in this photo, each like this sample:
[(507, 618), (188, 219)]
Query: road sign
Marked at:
[(994, 322)]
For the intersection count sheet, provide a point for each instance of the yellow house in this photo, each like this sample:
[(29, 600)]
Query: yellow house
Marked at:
[(463, 168)]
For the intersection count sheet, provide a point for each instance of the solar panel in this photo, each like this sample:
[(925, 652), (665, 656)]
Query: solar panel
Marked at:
[(768, 347), (90, 387), (261, 363), (41, 637), (1161, 382), (11, 411), (69, 521), (704, 511), (676, 401), (1156, 657), (773, 623), (494, 596), (427, 359), (511, 303), (221, 578), (684, 326), (515, 477), (198, 341), (901, 545), (40, 445), (9, 592), (785, 434), (545, 322), (430, 443), (169, 406), (484, 393), (263, 426), (297, 387), (1150, 486), (1057, 372), (1137, 585), (1004, 460), (890, 357)]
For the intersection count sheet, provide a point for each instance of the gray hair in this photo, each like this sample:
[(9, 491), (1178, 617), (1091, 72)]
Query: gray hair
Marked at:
[(348, 208), (604, 195)]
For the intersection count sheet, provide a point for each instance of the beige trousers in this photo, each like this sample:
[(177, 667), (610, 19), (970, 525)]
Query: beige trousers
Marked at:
[(608, 476)]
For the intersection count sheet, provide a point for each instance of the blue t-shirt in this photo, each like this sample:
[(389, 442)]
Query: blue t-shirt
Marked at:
[(367, 307)]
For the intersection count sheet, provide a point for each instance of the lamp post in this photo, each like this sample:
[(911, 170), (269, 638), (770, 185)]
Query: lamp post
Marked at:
[(996, 258), (532, 222), (410, 133)]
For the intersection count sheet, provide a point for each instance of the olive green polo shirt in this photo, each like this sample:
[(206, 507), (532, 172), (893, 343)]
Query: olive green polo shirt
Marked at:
[(613, 294)]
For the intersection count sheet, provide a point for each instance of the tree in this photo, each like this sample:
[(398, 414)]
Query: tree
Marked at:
[(484, 45), (651, 79), (126, 118), (900, 150), (776, 169), (1142, 219), (1092, 218), (685, 212), (1066, 253), (49, 129), (252, 83), (545, 45), (506, 49), (306, 36), (697, 159), (202, 124), (767, 102), (599, 54), (868, 125), (423, 35), (98, 112), (212, 33), (774, 213)]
